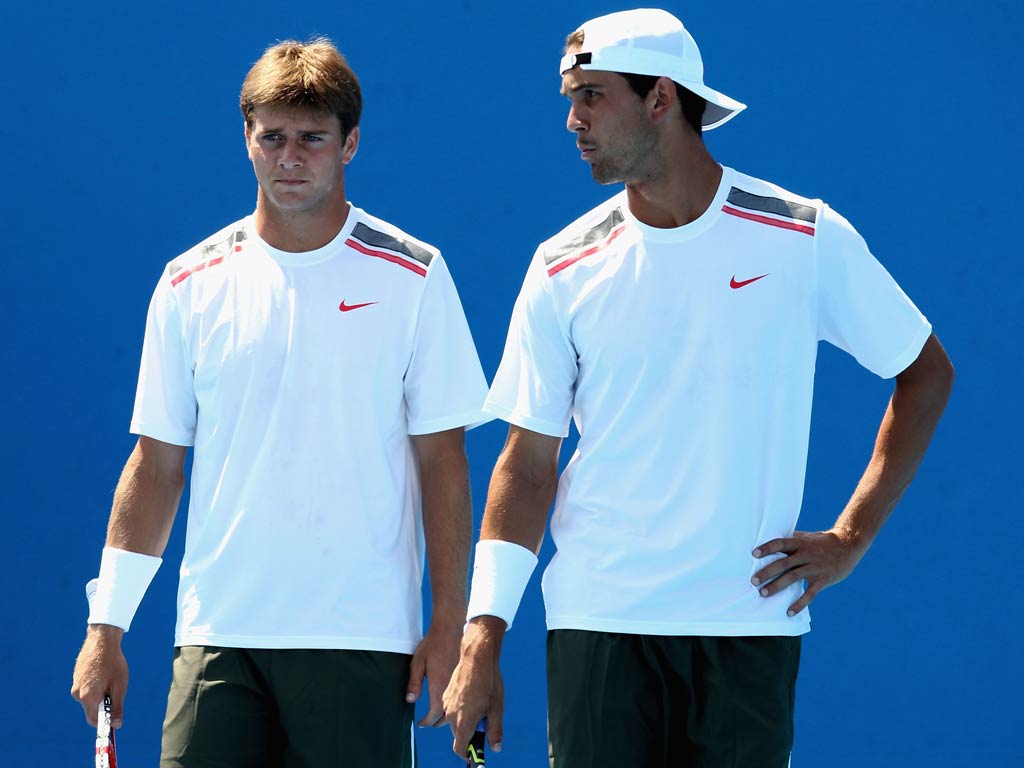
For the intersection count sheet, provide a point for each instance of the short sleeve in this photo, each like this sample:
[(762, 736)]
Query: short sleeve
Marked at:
[(165, 400), (536, 381), (861, 309), (444, 383)]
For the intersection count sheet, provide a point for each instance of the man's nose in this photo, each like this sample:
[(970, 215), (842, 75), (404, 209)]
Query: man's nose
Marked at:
[(291, 155), (574, 122)]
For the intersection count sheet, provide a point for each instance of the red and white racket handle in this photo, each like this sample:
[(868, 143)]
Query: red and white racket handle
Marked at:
[(106, 754)]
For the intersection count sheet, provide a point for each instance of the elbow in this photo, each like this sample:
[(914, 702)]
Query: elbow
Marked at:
[(176, 479), (941, 375), (930, 377), (946, 379)]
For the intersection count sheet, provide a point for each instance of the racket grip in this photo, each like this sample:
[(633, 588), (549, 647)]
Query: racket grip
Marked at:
[(475, 753)]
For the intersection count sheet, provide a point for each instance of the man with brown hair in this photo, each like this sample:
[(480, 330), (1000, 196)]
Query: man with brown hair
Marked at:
[(319, 361), (677, 324)]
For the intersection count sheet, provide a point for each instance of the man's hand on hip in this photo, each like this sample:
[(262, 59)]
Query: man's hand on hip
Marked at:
[(821, 559), (101, 668)]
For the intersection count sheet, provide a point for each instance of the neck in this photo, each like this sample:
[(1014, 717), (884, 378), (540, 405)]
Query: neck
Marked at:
[(682, 191), (299, 231)]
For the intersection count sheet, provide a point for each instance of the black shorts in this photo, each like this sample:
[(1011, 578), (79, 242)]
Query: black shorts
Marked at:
[(270, 708), (641, 701)]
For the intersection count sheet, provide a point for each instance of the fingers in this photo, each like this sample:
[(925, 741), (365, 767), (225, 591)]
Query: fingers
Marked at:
[(89, 696), (805, 599), (776, 569), (90, 705), (464, 727), (116, 706), (794, 574), (773, 547), (462, 731), (435, 717), (417, 669), (494, 731)]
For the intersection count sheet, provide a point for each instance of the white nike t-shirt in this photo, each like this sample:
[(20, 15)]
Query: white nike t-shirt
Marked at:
[(686, 359), (299, 378)]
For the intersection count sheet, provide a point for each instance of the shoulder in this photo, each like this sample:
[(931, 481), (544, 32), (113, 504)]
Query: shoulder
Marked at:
[(375, 237), (766, 203), (208, 252), (585, 237)]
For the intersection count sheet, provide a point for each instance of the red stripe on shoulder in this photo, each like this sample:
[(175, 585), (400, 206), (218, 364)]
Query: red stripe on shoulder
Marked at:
[(771, 222), (589, 252), (180, 277), (387, 257)]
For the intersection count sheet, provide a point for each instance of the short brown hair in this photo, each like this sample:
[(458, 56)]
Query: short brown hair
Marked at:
[(312, 74)]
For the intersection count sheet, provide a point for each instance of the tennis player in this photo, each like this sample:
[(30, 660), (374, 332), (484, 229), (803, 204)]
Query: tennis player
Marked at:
[(319, 361), (677, 325)]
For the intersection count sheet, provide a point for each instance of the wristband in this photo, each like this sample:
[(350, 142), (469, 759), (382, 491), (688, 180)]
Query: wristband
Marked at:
[(123, 580), (501, 571)]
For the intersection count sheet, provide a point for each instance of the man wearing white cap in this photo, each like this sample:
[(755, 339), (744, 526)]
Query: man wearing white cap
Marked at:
[(677, 324)]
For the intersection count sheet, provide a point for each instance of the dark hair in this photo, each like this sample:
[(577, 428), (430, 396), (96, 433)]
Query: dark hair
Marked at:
[(692, 104), (313, 75)]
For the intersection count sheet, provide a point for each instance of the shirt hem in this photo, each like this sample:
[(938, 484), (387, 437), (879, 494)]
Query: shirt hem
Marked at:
[(298, 641), (790, 628), (526, 422), (166, 436), (468, 419), (909, 355)]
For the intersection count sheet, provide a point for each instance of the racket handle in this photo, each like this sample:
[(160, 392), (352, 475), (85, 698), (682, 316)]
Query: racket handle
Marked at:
[(475, 753)]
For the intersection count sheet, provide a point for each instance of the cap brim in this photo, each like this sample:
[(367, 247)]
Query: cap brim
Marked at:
[(720, 108)]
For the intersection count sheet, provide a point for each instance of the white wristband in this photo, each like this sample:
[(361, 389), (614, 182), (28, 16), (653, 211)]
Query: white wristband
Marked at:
[(501, 571), (124, 578)]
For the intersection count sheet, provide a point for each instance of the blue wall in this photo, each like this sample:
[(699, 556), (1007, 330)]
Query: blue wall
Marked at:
[(123, 146)]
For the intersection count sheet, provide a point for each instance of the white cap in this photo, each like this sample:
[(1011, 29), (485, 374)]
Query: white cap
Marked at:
[(650, 41)]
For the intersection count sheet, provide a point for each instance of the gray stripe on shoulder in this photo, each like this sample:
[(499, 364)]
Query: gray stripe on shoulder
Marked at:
[(591, 236), (775, 205), (210, 250), (383, 240)]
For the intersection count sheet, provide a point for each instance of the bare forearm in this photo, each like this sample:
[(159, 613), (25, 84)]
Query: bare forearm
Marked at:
[(519, 498), (146, 499), (447, 521), (903, 437)]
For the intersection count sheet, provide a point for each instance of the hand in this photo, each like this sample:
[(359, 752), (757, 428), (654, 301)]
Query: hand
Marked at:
[(100, 669), (821, 559), (435, 658), (476, 689)]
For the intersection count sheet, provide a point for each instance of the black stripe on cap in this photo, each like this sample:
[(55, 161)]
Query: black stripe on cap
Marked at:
[(776, 205), (591, 236), (383, 240)]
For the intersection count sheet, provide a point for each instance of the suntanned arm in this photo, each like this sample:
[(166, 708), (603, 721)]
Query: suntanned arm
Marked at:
[(522, 489), (145, 503), (827, 557), (447, 530)]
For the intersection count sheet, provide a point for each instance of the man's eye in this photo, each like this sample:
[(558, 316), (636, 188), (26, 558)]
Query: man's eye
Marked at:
[(271, 137), (313, 138)]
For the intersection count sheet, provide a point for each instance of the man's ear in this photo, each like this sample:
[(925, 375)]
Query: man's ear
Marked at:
[(663, 98), (351, 145)]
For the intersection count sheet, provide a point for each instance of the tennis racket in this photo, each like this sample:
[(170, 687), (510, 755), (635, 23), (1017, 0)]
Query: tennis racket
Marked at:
[(106, 753), (475, 750)]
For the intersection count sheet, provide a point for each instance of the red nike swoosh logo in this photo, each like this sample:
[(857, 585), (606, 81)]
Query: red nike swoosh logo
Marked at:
[(734, 284), (349, 307)]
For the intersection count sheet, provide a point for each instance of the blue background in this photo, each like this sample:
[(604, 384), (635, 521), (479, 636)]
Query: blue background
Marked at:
[(123, 146)]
